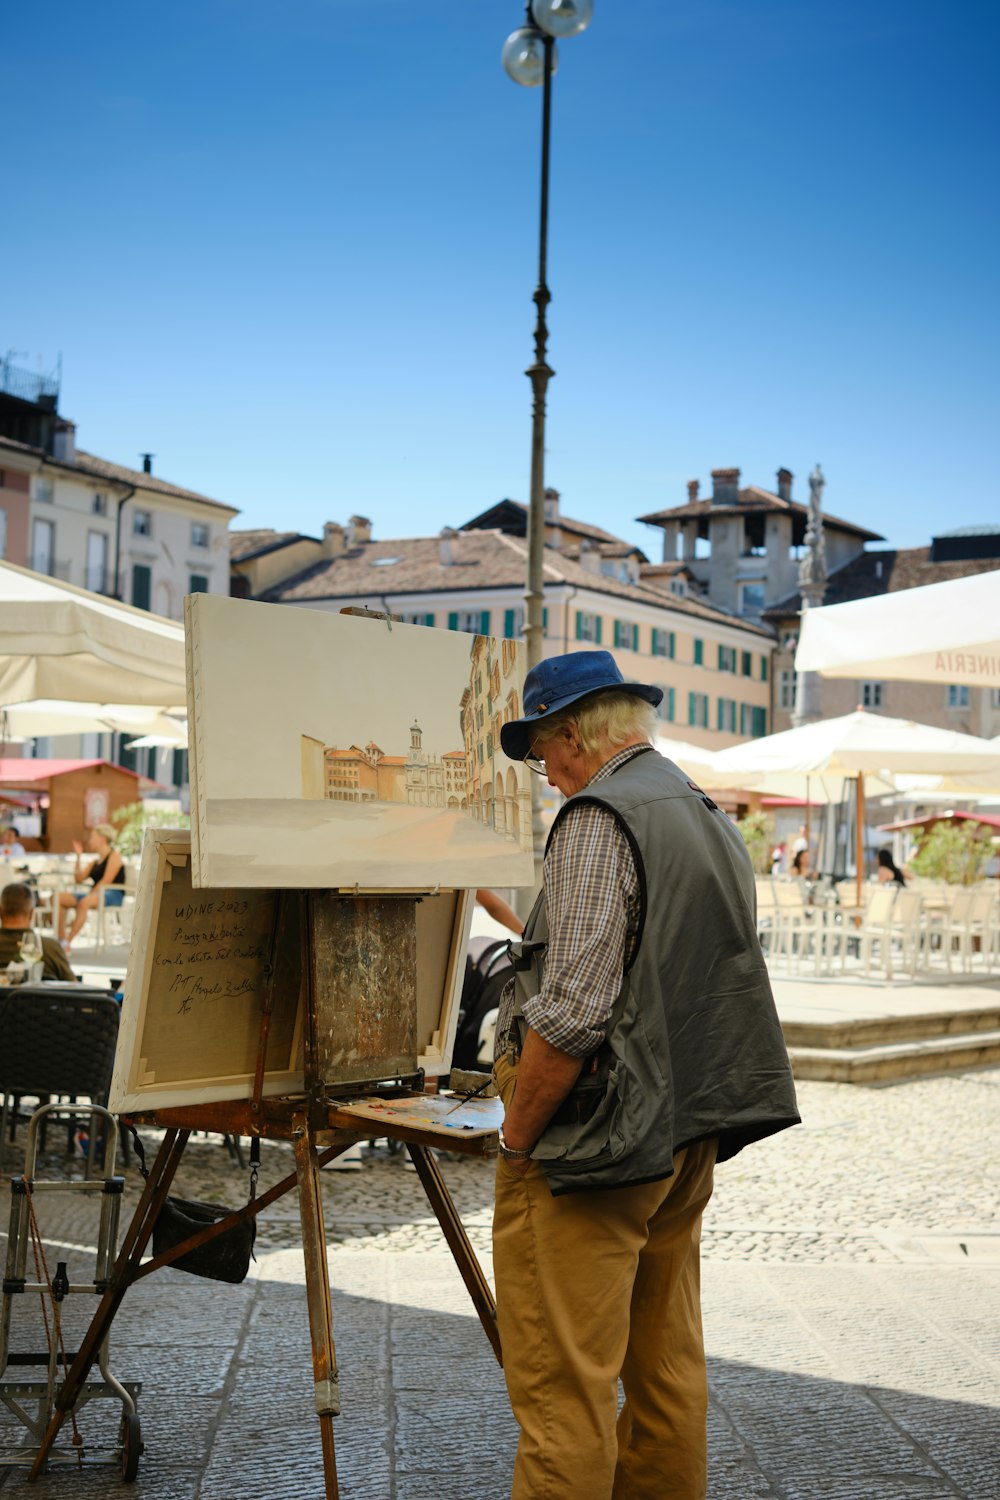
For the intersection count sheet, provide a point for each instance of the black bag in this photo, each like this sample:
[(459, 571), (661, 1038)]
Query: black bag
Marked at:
[(226, 1258)]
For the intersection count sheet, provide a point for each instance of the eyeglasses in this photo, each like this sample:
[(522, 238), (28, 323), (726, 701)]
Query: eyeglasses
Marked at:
[(535, 762)]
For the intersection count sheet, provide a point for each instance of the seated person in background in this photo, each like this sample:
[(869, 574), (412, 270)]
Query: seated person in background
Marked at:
[(107, 871), (17, 907), (800, 865), (887, 869), (10, 845)]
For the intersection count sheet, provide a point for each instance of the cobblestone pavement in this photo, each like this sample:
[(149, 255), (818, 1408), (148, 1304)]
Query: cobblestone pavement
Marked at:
[(851, 1299)]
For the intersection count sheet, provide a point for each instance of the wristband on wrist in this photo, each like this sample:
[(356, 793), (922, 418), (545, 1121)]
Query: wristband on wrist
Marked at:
[(510, 1153)]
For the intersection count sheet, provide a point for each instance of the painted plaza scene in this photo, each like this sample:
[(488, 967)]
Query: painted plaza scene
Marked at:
[(325, 798)]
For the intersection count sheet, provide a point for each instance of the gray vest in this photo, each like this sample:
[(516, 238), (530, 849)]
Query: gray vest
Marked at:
[(693, 1048)]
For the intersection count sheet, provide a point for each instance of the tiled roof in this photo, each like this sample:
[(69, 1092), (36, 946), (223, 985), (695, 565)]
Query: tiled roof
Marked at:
[(13, 772), (102, 468), (752, 500), (482, 560), (244, 545), (886, 572)]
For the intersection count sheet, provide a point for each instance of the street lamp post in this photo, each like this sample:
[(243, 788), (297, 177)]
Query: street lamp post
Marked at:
[(530, 58)]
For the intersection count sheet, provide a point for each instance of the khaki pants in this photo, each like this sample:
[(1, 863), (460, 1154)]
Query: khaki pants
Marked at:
[(591, 1287)]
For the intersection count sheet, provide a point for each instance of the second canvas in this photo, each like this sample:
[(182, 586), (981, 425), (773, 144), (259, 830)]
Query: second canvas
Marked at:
[(332, 750)]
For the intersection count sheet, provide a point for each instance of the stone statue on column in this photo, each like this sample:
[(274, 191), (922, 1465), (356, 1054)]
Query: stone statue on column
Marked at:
[(812, 588)]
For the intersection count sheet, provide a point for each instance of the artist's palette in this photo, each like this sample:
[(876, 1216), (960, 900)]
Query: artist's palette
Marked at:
[(444, 1115)]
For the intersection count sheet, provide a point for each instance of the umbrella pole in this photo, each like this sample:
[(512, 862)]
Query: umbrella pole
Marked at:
[(808, 829), (859, 840)]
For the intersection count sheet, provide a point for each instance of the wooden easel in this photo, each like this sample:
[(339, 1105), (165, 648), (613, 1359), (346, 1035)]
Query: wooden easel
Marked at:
[(358, 963)]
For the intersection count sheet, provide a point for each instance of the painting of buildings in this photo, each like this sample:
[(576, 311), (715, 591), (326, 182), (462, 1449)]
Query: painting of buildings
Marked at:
[(329, 750)]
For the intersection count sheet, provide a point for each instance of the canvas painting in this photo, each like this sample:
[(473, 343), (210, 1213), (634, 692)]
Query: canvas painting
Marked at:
[(330, 750)]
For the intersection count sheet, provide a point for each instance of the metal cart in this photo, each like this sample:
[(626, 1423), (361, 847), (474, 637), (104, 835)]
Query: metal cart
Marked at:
[(18, 1394)]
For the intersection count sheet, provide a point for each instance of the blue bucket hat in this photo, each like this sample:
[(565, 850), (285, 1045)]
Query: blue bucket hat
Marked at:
[(559, 681)]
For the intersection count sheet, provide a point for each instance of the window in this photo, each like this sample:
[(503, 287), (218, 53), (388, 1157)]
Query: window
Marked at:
[(99, 505), (994, 697), (97, 561), (142, 523), (588, 627), (751, 600), (197, 583), (871, 695), (763, 669), (698, 710), (727, 658), (747, 664), (142, 585), (472, 621), (726, 715), (43, 546), (199, 534), (699, 653), (679, 587), (513, 623), (417, 619), (958, 693), (758, 725), (44, 490), (786, 688), (664, 643), (666, 708), (626, 636)]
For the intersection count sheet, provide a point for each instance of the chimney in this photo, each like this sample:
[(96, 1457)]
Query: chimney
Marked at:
[(334, 542), (725, 486), (359, 529), (447, 547), (64, 442), (552, 507), (147, 462), (785, 478), (694, 485), (590, 557)]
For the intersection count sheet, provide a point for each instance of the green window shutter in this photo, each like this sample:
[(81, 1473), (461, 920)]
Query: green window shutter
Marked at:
[(142, 585), (545, 622), (720, 714), (453, 620), (691, 709), (759, 722), (635, 637), (670, 704), (747, 664), (600, 622), (671, 644), (428, 619), (198, 583), (722, 659), (763, 669), (484, 622), (698, 653), (489, 743), (508, 624), (179, 772), (579, 625)]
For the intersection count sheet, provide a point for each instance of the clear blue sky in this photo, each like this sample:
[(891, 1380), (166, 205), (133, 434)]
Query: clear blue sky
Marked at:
[(291, 250)]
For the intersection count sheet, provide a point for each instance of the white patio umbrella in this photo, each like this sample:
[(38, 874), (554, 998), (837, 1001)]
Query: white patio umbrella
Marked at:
[(944, 632), (694, 760), (853, 747), (59, 716), (61, 642)]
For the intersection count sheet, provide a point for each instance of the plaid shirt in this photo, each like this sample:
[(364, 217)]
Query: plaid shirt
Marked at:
[(592, 904)]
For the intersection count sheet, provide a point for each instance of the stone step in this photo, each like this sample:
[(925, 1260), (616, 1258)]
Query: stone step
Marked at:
[(898, 1059), (871, 1030)]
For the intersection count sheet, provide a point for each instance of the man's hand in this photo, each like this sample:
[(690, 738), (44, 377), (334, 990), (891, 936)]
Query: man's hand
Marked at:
[(544, 1078)]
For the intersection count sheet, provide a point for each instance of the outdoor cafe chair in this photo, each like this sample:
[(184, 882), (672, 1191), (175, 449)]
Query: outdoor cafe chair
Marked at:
[(55, 1042)]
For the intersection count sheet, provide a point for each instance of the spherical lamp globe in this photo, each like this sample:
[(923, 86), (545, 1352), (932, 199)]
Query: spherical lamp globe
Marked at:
[(523, 57), (562, 18)]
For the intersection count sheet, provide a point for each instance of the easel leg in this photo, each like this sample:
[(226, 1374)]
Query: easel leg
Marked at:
[(326, 1379), (453, 1230), (136, 1238)]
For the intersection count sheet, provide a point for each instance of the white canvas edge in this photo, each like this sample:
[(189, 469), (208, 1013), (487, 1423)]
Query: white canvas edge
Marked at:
[(436, 1061)]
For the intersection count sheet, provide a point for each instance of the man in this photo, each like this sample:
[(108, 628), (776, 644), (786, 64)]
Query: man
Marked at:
[(10, 845), (17, 907), (637, 1045)]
